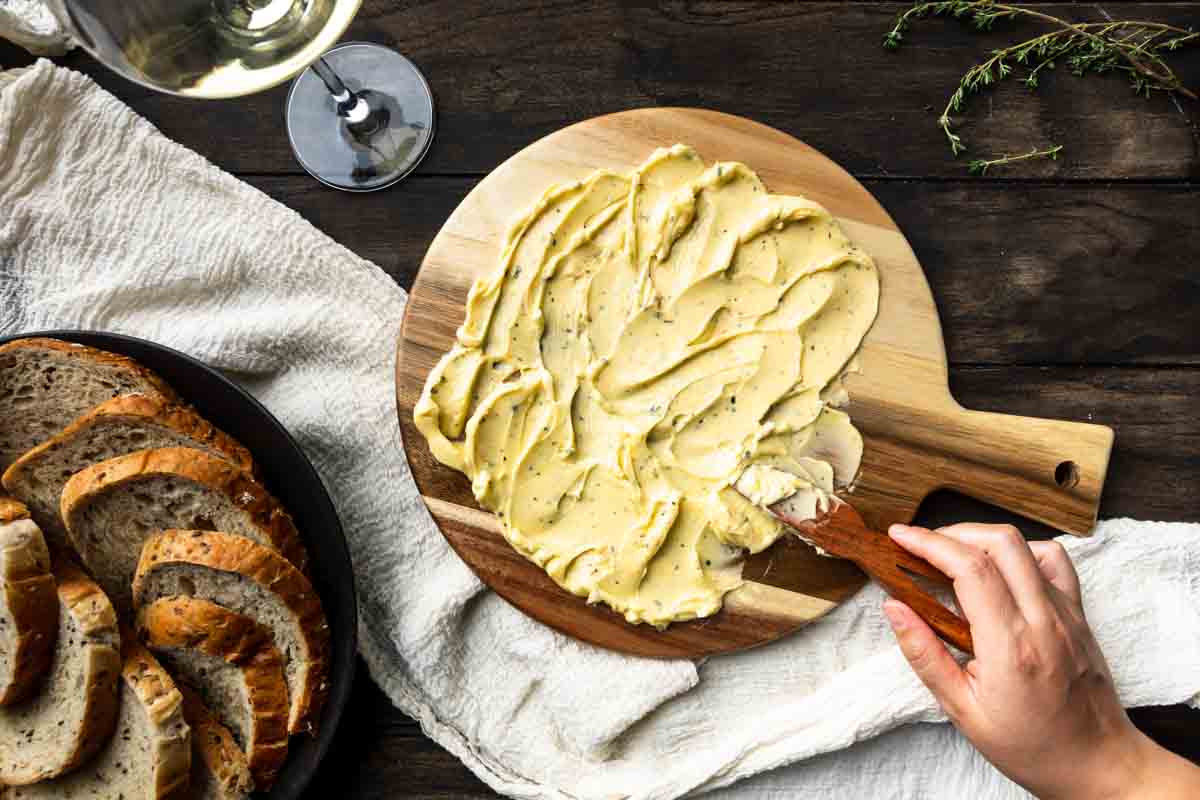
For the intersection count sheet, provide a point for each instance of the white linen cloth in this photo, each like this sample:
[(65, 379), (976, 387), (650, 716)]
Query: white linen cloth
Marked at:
[(104, 223), (30, 24)]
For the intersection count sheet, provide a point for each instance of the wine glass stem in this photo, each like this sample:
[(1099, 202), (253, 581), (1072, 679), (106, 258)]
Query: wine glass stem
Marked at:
[(350, 106)]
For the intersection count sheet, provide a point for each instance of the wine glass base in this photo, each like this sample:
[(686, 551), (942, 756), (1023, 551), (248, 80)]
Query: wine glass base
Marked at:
[(330, 152)]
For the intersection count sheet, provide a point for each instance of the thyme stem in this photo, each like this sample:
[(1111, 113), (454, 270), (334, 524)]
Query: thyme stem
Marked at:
[(981, 166), (1135, 48)]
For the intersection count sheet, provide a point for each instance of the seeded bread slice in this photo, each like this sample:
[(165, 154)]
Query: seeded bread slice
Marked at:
[(111, 508), (149, 755), (254, 581), (219, 769), (118, 426), (28, 604), (230, 661), (73, 714), (46, 383)]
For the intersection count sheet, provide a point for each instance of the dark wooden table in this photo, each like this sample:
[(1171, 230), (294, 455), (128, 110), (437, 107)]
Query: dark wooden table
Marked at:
[(1066, 288)]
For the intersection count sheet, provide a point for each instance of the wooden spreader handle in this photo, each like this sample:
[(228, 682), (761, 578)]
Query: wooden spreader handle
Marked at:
[(948, 625), (843, 533)]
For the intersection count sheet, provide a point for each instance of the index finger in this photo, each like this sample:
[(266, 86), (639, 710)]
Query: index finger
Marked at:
[(1056, 565), (1012, 555), (984, 595)]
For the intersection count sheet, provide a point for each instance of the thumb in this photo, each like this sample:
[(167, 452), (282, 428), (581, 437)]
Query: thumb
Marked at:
[(929, 658)]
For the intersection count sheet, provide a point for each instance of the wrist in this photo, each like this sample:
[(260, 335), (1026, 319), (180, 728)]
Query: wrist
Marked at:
[(1122, 768), (1156, 773), (1113, 767)]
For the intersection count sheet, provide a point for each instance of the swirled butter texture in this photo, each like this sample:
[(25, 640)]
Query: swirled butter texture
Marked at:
[(654, 356)]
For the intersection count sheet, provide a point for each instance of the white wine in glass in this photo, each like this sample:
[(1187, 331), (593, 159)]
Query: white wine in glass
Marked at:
[(360, 119)]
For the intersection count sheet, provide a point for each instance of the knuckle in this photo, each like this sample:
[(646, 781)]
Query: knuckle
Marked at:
[(1072, 653), (1064, 648), (978, 566), (1009, 534), (1073, 665), (920, 655), (1027, 658), (1080, 667), (1054, 553), (1061, 632), (1098, 678)]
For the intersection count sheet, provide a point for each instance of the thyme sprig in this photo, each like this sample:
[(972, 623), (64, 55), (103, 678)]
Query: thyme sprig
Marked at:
[(981, 166), (1135, 48)]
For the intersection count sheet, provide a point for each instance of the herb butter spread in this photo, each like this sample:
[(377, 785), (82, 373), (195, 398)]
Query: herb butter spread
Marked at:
[(651, 350)]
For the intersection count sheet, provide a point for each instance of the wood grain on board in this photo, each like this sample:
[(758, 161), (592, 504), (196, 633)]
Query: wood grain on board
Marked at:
[(918, 438), (505, 74)]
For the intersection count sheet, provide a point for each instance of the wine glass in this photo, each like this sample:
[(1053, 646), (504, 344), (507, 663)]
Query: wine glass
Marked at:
[(359, 117)]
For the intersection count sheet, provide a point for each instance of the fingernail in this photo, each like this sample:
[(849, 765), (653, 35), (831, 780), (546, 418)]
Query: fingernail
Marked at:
[(899, 531), (895, 615)]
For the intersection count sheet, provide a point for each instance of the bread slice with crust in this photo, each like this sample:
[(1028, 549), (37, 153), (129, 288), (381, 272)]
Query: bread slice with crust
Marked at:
[(254, 581), (149, 755), (46, 383), (230, 661), (72, 714), (28, 604), (124, 424), (111, 508), (219, 769)]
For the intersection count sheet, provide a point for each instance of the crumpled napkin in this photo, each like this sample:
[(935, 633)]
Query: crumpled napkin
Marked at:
[(30, 24), (107, 224)]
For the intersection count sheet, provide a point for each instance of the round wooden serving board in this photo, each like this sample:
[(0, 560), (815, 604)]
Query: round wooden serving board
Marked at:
[(918, 438)]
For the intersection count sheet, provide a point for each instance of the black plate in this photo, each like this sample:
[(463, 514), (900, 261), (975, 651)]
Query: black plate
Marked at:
[(289, 475)]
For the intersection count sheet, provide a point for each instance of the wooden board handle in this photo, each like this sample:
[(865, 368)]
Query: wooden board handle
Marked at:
[(1048, 470)]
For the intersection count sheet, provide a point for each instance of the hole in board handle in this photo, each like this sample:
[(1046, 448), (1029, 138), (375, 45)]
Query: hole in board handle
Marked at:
[(1066, 474)]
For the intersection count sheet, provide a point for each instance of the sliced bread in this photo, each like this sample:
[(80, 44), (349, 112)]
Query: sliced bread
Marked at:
[(73, 714), (46, 383), (219, 769), (28, 604), (254, 581), (230, 661), (118, 426), (111, 508), (149, 755)]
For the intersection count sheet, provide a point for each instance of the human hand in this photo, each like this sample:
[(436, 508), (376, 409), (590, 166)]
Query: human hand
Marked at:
[(1038, 699)]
